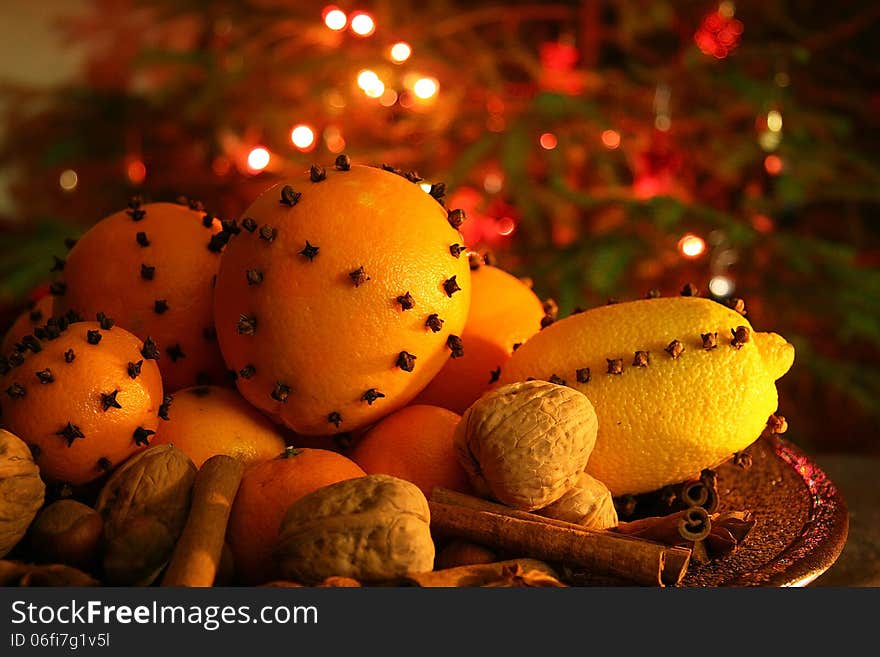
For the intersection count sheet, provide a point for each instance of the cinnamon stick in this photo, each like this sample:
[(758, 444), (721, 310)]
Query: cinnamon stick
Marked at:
[(196, 556), (602, 553)]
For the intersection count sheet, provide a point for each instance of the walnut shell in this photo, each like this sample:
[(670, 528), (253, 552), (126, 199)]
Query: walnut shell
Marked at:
[(371, 528), (589, 503), (525, 444), (153, 488), (67, 532), (22, 491)]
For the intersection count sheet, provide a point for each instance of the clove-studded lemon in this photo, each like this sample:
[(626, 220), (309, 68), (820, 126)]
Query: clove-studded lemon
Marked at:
[(679, 384), (345, 292)]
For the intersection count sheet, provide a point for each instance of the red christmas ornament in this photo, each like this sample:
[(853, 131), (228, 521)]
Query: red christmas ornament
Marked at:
[(718, 34)]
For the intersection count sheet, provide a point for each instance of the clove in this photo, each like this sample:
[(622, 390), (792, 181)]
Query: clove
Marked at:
[(160, 306), (70, 432), (358, 276), (268, 233), (93, 336), (406, 301), (69, 356), (641, 359), (741, 335), (434, 322), (254, 276), (583, 375), (710, 340), (104, 464), (494, 375), (280, 392), (247, 371), (455, 217), (142, 436), (455, 346), (134, 369), (108, 400), (371, 395), (148, 272), (58, 264), (335, 419), (653, 293), (309, 251), (249, 224), (343, 162), (674, 349), (456, 249), (289, 196), (451, 286), (615, 365), (45, 376), (104, 322), (175, 352), (690, 290), (438, 192), (165, 406), (16, 391), (141, 238), (556, 380), (406, 361), (317, 173), (57, 288), (247, 325), (150, 350)]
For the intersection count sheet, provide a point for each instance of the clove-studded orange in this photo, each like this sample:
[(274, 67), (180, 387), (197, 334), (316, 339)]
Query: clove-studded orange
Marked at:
[(84, 398), (679, 384), (151, 268), (344, 294), (504, 313)]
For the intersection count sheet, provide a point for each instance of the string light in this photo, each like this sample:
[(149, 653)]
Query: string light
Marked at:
[(388, 98), (721, 286), (773, 164), (370, 83), (334, 18), (258, 159), (493, 182), (136, 171), (692, 246), (303, 137), (400, 52), (611, 139), (774, 121), (769, 140), (68, 180), (425, 88), (362, 24), (548, 141)]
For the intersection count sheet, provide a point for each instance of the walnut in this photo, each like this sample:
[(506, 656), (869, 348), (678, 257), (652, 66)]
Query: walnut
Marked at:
[(22, 491), (588, 503), (371, 528), (67, 532), (525, 444), (144, 504)]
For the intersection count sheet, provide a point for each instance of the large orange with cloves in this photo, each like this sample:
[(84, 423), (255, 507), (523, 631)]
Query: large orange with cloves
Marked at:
[(84, 398), (345, 293), (505, 312), (151, 268)]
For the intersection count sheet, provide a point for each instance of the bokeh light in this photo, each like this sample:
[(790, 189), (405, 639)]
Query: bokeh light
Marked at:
[(362, 24), (425, 88), (258, 158), (506, 226), (334, 18), (611, 139), (303, 137), (68, 180), (773, 165), (400, 51), (774, 121), (721, 286), (692, 246), (136, 171), (548, 141)]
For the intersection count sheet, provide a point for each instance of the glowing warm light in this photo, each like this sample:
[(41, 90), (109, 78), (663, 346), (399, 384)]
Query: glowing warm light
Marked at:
[(388, 98), (136, 171), (335, 18), (762, 223), (691, 246), (425, 88), (548, 141), (611, 139), (493, 182), (773, 164), (426, 187), (367, 78), (376, 91), (774, 121), (726, 9), (68, 180), (769, 141), (400, 51), (362, 24), (720, 286), (505, 226), (303, 137), (662, 122), (258, 158)]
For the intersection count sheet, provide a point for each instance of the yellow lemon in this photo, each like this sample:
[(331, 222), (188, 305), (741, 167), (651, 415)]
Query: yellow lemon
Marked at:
[(679, 384)]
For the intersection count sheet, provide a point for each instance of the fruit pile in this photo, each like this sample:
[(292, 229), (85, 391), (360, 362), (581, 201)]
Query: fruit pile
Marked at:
[(328, 362)]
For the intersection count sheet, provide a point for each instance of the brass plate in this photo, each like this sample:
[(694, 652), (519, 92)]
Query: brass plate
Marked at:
[(801, 520)]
